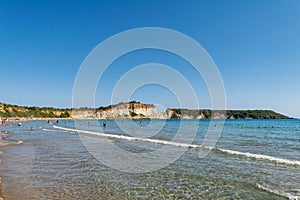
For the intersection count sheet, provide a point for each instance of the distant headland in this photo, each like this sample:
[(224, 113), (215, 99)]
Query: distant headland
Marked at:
[(132, 110)]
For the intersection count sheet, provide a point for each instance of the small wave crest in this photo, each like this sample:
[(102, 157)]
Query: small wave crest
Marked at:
[(123, 137), (5, 142), (277, 192), (165, 142), (261, 157), (50, 130), (10, 143)]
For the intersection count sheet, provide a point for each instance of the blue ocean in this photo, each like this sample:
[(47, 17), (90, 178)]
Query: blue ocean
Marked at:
[(252, 159)]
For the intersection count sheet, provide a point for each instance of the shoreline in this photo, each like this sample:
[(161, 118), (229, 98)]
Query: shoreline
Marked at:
[(3, 142), (13, 119), (4, 134), (1, 190), (133, 110)]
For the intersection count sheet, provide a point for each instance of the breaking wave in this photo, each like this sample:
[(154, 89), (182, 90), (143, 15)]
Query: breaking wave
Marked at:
[(179, 144)]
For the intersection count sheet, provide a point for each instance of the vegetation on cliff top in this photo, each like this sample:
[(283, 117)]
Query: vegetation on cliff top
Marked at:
[(8, 110), (130, 105), (230, 114)]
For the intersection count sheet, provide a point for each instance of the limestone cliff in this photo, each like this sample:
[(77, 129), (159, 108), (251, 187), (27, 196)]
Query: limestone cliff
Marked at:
[(131, 110)]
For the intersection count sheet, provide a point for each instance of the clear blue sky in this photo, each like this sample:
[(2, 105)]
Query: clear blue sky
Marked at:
[(255, 44)]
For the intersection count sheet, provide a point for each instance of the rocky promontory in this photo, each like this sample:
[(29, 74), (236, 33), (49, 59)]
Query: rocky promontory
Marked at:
[(133, 110), (130, 110)]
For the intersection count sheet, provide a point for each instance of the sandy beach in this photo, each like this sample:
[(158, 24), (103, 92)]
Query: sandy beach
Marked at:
[(55, 164), (3, 142)]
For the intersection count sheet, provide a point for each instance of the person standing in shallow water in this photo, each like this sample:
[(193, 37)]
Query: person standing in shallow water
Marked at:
[(104, 124)]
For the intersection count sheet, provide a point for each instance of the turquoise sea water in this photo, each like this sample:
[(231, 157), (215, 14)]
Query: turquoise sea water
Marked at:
[(253, 159)]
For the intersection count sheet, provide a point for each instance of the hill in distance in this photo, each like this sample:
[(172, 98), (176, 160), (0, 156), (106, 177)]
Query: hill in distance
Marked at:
[(132, 110)]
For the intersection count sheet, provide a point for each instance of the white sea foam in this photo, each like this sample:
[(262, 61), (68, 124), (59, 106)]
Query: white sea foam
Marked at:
[(280, 193), (123, 137), (179, 144), (262, 157), (51, 130), (12, 142)]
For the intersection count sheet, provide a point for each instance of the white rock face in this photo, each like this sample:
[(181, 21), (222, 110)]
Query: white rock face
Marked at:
[(81, 114), (130, 111), (202, 116), (219, 116), (113, 114), (136, 110)]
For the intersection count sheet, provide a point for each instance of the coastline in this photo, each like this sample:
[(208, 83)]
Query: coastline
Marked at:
[(1, 191), (4, 134), (5, 194), (1, 152), (129, 110)]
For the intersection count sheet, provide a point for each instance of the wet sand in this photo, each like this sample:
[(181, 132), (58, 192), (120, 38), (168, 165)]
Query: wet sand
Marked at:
[(1, 151), (3, 135)]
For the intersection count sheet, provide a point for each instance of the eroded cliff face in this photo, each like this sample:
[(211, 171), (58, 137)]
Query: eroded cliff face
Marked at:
[(83, 113), (194, 114), (176, 114), (137, 110), (131, 110)]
